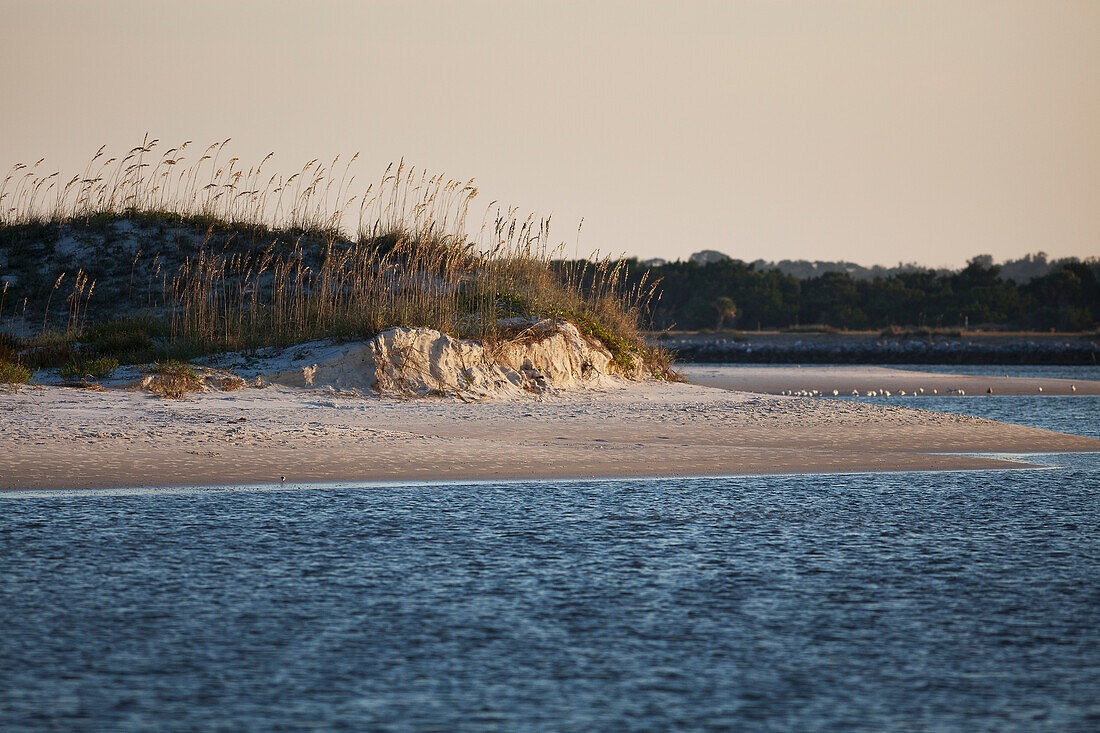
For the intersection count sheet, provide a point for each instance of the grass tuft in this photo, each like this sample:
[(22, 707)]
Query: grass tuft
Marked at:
[(172, 380), (13, 373)]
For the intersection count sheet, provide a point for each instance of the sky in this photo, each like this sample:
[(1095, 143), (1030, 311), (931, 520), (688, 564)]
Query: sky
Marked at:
[(872, 131)]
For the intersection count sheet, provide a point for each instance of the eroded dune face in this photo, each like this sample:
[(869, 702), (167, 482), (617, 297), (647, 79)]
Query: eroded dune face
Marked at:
[(548, 355)]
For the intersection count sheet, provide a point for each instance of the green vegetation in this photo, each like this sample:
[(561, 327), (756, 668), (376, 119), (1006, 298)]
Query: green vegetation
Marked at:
[(693, 296), (130, 340), (13, 373), (622, 351), (98, 367), (154, 258)]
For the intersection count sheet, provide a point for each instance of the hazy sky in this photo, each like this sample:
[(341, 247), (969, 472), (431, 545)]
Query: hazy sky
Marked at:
[(867, 130)]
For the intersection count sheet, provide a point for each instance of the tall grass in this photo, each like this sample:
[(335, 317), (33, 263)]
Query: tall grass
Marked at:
[(409, 260), (213, 187)]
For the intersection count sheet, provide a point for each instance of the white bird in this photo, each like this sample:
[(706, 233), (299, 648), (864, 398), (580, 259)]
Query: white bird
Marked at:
[(886, 392), (962, 393), (872, 393), (1073, 388), (902, 393), (1040, 389), (855, 393), (921, 390), (836, 392), (935, 391)]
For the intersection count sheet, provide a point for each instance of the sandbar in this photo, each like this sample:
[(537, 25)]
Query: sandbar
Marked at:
[(54, 437), (864, 379)]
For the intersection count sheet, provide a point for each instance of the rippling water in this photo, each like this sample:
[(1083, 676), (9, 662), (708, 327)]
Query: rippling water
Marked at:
[(907, 601), (1075, 414)]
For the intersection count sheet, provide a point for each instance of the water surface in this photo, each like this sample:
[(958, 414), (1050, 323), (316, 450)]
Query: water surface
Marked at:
[(901, 601), (959, 601), (1075, 414)]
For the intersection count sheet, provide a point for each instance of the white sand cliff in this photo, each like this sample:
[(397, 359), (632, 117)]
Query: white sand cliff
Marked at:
[(416, 362)]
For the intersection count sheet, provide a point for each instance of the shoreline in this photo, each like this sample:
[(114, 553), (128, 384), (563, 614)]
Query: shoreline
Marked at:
[(60, 438), (152, 490)]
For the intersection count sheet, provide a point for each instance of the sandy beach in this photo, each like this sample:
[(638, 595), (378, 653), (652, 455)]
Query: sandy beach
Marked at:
[(864, 379), (62, 437)]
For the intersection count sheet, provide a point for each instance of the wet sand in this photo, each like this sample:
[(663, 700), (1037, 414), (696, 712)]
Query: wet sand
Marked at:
[(844, 379)]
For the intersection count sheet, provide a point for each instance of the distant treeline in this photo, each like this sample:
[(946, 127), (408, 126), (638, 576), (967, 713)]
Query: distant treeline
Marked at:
[(1021, 270), (735, 294)]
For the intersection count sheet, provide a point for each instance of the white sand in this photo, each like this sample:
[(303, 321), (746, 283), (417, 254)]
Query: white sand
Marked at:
[(59, 437)]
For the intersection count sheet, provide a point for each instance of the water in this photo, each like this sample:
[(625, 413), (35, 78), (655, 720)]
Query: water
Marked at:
[(908, 601), (1075, 414)]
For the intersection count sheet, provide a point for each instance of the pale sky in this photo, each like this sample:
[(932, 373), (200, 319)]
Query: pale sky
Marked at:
[(867, 130)]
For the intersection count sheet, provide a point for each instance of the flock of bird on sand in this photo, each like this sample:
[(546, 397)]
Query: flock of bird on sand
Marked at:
[(873, 392)]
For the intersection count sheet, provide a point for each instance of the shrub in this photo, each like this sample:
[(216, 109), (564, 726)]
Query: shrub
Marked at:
[(172, 379), (96, 367), (13, 372)]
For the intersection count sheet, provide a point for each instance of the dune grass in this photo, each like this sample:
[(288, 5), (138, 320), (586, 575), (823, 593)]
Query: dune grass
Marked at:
[(279, 261)]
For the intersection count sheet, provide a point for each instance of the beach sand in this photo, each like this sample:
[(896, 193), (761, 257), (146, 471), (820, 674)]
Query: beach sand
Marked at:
[(777, 379), (61, 437)]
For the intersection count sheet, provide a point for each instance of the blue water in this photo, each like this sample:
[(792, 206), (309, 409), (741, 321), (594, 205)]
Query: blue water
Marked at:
[(908, 601), (1075, 414)]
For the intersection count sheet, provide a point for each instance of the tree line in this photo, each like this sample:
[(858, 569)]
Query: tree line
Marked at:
[(735, 294)]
